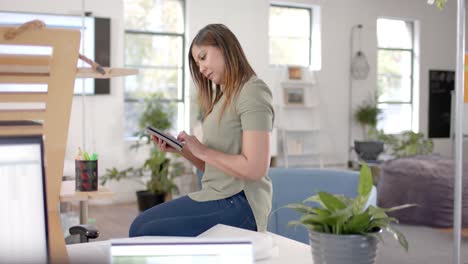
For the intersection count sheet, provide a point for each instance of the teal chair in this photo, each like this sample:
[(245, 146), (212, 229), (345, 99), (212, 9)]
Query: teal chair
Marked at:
[(293, 185)]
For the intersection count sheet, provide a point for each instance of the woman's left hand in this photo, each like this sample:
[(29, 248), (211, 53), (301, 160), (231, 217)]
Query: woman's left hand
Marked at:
[(192, 144)]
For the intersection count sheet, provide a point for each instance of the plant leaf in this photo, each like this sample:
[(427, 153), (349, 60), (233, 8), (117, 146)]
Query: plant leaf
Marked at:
[(399, 207), (314, 199), (365, 180), (331, 202), (311, 219), (358, 223), (399, 236), (301, 208), (377, 213)]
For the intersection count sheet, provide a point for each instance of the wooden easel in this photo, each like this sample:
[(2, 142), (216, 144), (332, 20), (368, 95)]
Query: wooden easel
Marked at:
[(58, 71)]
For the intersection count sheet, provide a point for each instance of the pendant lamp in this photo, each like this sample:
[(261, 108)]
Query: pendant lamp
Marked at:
[(359, 65)]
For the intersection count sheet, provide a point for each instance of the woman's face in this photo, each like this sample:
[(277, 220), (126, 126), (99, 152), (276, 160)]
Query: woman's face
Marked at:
[(210, 61)]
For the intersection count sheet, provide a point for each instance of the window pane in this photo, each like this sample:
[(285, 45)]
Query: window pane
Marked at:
[(154, 15), (395, 118), (133, 111), (167, 81), (290, 35), (153, 50), (289, 22), (394, 76), (394, 33), (289, 51)]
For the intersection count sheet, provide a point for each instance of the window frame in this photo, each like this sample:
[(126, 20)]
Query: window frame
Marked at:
[(411, 73), (88, 39), (181, 98), (310, 12)]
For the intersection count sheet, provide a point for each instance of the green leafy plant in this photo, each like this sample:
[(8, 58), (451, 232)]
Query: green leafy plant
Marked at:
[(367, 115), (340, 215), (407, 144), (162, 172), (159, 167)]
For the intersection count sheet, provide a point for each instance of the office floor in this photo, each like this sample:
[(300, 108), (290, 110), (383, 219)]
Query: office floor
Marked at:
[(113, 221), (427, 245)]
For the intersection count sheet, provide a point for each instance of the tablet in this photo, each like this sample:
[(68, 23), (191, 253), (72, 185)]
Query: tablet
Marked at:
[(172, 141)]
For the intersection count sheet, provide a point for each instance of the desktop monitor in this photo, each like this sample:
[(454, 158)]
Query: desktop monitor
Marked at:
[(23, 201)]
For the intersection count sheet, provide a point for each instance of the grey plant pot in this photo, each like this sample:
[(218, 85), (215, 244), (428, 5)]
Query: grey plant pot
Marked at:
[(369, 150), (342, 249)]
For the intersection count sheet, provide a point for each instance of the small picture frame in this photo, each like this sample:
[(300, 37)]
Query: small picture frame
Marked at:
[(294, 96), (294, 73)]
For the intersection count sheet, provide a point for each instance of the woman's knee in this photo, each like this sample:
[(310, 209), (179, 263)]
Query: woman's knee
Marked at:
[(134, 227), (139, 222)]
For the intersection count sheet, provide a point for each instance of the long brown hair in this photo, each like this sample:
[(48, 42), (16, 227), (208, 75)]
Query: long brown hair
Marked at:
[(236, 73)]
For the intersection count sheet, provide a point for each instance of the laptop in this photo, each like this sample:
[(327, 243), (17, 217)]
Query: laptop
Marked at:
[(23, 201)]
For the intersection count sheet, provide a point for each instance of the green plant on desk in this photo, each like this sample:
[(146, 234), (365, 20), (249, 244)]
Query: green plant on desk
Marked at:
[(340, 217)]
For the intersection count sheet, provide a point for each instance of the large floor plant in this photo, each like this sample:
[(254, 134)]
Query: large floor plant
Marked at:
[(341, 225), (158, 170)]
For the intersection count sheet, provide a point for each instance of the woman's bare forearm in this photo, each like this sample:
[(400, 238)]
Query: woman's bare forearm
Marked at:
[(198, 163), (238, 166)]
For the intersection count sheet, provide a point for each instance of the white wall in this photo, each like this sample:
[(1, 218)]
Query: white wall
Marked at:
[(437, 51), (248, 19)]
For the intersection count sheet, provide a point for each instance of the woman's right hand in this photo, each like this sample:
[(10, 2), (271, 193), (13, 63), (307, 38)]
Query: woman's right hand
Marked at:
[(163, 146)]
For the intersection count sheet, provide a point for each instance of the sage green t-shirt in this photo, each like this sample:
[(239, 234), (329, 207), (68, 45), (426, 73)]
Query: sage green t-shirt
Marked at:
[(252, 111)]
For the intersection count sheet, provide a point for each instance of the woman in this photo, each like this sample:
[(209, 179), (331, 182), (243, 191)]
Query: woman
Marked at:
[(234, 155)]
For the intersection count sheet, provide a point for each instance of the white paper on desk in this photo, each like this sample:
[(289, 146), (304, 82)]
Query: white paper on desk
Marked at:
[(263, 244)]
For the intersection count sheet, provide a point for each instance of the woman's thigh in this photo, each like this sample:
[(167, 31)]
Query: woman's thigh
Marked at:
[(186, 217)]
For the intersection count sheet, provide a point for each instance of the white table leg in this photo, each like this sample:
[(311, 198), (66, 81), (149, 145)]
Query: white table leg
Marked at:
[(83, 212)]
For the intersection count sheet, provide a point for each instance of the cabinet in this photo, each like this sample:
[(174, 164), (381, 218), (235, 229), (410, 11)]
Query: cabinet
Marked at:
[(298, 125)]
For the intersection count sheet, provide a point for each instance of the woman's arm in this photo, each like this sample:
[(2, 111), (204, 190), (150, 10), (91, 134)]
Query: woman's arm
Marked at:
[(251, 164), (200, 164)]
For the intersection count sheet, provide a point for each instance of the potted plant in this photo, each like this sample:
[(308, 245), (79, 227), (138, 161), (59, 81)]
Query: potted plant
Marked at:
[(158, 171), (407, 144), (367, 115), (344, 230)]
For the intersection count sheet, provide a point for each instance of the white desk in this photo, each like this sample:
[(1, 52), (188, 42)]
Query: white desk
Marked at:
[(288, 251)]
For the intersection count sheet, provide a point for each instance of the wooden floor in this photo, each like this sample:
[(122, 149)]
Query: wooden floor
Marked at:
[(113, 221)]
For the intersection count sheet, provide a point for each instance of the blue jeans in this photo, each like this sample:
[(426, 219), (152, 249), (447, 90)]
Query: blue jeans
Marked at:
[(186, 217)]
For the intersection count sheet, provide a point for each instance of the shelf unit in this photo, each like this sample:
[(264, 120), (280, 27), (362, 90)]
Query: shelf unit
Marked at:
[(299, 125), (301, 148)]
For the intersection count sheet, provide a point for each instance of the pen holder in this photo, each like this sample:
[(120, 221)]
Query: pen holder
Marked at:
[(86, 175)]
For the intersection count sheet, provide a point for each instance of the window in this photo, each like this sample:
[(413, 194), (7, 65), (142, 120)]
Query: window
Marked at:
[(154, 43), (395, 56), (93, 28), (290, 35)]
